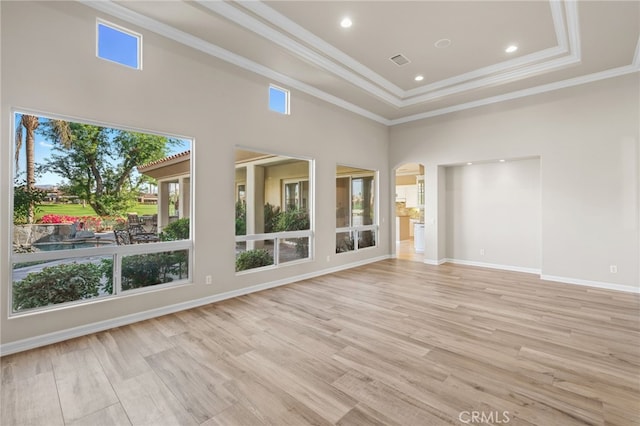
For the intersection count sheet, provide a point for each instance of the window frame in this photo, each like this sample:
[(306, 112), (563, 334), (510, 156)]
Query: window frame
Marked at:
[(117, 252), (123, 30), (355, 230), (299, 182), (283, 235), (287, 99)]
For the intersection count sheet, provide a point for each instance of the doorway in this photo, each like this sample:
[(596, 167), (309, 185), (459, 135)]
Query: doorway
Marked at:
[(409, 212)]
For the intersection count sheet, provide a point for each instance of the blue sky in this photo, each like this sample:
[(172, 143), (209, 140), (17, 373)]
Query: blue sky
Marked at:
[(114, 45), (43, 150), (118, 46)]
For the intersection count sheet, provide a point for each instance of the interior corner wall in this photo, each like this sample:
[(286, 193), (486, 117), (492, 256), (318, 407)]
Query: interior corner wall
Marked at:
[(49, 65), (587, 139), (493, 213)]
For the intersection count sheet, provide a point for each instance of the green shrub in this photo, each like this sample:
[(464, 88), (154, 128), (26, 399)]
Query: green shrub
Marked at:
[(23, 197), (271, 216), (176, 230), (241, 218), (253, 259), (294, 219), (143, 270), (57, 284)]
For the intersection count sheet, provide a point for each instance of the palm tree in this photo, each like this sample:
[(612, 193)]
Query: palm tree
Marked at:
[(29, 123)]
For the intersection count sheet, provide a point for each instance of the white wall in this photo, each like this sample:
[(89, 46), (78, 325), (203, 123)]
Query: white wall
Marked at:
[(587, 140), (493, 213), (49, 66)]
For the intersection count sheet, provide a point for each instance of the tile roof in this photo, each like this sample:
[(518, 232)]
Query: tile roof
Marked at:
[(165, 160)]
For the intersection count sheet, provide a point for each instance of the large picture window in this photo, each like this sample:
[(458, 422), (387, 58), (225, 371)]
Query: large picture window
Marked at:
[(356, 209), (273, 217), (97, 212)]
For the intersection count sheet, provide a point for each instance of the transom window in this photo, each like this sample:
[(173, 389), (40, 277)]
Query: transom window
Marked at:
[(356, 209), (279, 100), (117, 44), (93, 217)]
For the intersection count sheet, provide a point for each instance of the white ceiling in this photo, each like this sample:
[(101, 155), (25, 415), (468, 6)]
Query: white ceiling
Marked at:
[(300, 45)]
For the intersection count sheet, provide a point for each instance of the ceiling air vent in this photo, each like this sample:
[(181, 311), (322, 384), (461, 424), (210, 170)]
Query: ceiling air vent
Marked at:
[(399, 60)]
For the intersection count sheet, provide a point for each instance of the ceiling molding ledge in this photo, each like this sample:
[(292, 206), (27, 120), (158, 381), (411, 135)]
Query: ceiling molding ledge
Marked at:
[(567, 38), (636, 56), (590, 78), (211, 49), (281, 21), (248, 22), (557, 15), (520, 64), (563, 33), (496, 80)]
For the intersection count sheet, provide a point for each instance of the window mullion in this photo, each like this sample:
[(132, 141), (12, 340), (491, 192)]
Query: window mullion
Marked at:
[(117, 273)]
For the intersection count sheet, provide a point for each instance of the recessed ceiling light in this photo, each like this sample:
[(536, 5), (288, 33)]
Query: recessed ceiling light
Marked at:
[(502, 161), (418, 78), (511, 48), (346, 23), (468, 164), (442, 43)]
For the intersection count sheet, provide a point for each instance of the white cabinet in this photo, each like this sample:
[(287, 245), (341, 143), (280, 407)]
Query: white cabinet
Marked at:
[(418, 237), (411, 194), (408, 194)]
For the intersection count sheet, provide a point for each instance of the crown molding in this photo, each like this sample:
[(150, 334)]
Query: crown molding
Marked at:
[(589, 78), (514, 75), (281, 21), (211, 49), (567, 38), (248, 22)]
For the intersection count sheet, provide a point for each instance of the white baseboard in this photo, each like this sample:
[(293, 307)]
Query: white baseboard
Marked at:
[(434, 262), (494, 266), (566, 280), (588, 283), (83, 330)]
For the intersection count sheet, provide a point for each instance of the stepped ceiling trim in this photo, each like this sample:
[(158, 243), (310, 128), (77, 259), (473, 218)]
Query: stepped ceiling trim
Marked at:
[(567, 52)]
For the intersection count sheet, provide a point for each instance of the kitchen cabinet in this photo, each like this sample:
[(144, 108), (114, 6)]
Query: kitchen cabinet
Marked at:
[(418, 237), (402, 228), (408, 194)]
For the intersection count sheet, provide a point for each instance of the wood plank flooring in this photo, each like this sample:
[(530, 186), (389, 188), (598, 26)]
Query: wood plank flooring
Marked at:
[(391, 343)]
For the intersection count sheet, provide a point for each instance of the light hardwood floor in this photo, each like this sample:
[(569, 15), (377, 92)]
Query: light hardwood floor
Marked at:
[(394, 343), (405, 250)]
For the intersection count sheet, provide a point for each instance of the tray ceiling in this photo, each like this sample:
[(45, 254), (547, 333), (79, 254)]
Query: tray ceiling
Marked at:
[(301, 45)]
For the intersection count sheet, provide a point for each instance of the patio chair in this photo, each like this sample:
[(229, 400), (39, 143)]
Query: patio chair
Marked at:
[(134, 224), (122, 237), (154, 223), (137, 233)]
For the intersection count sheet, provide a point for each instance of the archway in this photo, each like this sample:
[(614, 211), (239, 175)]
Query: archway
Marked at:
[(409, 212)]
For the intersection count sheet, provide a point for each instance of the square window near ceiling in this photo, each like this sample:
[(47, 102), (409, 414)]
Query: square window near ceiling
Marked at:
[(119, 45), (278, 99)]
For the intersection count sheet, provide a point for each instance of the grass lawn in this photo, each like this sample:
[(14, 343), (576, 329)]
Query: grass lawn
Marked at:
[(78, 210)]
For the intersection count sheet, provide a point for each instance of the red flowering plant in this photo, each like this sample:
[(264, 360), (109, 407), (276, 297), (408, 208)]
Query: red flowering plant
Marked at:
[(58, 218), (87, 223)]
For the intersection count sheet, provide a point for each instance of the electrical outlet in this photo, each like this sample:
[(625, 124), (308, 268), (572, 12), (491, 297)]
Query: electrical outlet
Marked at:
[(481, 252), (613, 269), (328, 258), (208, 279)]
